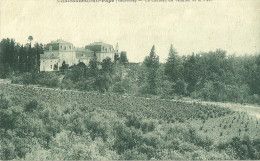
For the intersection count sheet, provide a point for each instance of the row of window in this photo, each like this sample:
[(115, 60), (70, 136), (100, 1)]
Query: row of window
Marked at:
[(66, 47), (107, 49), (62, 47)]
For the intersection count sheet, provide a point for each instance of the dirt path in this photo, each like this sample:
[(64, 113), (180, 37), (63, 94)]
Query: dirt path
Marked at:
[(252, 110)]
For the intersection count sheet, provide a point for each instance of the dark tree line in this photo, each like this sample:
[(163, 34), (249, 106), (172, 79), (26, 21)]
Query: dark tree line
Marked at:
[(211, 76), (16, 58), (214, 75)]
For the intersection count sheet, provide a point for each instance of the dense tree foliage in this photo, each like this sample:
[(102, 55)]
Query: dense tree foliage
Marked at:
[(173, 66), (16, 58), (123, 57), (152, 65)]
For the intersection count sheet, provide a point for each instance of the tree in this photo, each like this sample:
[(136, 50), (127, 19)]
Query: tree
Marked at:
[(30, 38), (5, 58), (173, 66), (93, 65), (252, 74), (152, 65), (107, 65), (191, 75), (180, 87), (123, 57), (64, 66), (102, 82), (77, 73), (116, 57), (38, 52), (31, 59), (8, 57)]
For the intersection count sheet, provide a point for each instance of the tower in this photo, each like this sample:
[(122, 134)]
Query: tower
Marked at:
[(117, 48)]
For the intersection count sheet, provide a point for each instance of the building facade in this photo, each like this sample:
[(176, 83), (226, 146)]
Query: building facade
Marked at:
[(58, 51), (102, 50)]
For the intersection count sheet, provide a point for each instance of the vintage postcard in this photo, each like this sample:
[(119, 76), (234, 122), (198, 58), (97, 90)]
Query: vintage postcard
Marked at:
[(130, 80)]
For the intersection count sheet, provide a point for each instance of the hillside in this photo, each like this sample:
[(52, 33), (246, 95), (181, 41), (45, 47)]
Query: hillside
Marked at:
[(66, 124)]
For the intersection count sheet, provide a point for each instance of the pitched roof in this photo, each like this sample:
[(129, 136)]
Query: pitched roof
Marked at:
[(99, 43), (96, 46), (60, 41)]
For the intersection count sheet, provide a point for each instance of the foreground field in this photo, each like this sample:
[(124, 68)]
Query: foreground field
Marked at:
[(40, 123)]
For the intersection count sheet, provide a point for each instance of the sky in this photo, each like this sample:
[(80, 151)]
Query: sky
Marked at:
[(232, 25)]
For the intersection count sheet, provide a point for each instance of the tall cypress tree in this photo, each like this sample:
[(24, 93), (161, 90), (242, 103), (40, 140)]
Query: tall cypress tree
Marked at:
[(22, 59), (191, 75), (5, 58), (38, 49), (123, 57), (93, 65), (152, 64), (173, 66), (12, 54)]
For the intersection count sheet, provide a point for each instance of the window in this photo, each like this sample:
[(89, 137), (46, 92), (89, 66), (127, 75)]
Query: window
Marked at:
[(103, 48), (51, 66), (61, 46)]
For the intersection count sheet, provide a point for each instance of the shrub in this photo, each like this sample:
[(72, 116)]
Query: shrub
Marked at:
[(217, 91), (121, 87), (133, 120), (27, 78), (87, 84), (148, 125), (164, 89), (126, 138), (180, 87), (67, 84), (134, 154), (32, 105), (17, 79), (144, 89), (49, 79)]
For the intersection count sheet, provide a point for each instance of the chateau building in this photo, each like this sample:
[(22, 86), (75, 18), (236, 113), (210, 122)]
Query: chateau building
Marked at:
[(58, 51)]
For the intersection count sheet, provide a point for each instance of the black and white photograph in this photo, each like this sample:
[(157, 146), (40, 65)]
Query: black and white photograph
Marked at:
[(129, 80)]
